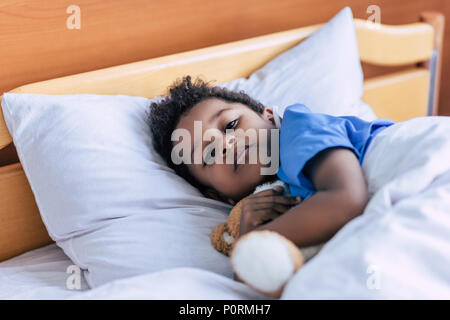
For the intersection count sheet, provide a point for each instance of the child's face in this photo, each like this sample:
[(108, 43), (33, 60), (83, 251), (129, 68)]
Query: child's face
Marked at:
[(225, 180)]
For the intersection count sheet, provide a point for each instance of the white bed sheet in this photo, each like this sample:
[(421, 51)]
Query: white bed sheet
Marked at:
[(42, 274), (37, 274), (173, 284)]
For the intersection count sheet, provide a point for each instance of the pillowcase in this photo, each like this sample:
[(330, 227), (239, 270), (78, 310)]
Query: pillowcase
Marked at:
[(322, 72), (108, 199), (105, 196)]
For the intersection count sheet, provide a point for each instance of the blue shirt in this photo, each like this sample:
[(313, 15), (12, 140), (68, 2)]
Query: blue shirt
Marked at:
[(304, 134)]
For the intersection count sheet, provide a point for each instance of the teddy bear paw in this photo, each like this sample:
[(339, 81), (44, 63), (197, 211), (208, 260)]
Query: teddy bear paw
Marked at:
[(265, 261)]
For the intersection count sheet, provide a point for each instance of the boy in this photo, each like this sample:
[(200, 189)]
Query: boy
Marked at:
[(320, 158)]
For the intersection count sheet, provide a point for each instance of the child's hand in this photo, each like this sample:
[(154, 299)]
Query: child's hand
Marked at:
[(263, 207)]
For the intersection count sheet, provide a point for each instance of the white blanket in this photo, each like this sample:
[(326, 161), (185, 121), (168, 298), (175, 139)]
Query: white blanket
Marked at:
[(399, 248), (43, 274)]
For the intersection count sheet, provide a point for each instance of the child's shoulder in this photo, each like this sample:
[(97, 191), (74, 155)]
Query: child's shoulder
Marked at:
[(300, 116), (297, 108)]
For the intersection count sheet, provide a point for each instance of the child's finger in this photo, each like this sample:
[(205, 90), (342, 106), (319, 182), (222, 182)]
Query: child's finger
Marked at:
[(264, 215), (274, 191), (289, 201), (279, 208)]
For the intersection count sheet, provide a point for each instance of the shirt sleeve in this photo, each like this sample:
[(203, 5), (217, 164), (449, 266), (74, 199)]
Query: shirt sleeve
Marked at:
[(303, 136)]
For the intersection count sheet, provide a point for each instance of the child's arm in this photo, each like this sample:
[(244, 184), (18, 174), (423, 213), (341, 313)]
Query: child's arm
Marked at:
[(341, 196)]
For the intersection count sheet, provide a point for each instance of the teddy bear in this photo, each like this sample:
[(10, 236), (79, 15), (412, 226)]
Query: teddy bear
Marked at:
[(264, 260)]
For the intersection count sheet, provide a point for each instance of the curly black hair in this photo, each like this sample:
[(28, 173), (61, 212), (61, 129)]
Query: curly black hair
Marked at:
[(164, 116)]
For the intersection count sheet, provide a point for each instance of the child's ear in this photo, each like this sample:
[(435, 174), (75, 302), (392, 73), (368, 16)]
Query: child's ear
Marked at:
[(268, 115), (213, 194)]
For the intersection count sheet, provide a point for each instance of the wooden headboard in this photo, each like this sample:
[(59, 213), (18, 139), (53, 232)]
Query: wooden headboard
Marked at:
[(399, 95)]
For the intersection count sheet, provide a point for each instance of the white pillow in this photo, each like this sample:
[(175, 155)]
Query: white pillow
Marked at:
[(322, 72), (109, 200), (106, 198)]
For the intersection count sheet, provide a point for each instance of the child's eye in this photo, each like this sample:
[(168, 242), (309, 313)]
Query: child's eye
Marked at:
[(232, 124)]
